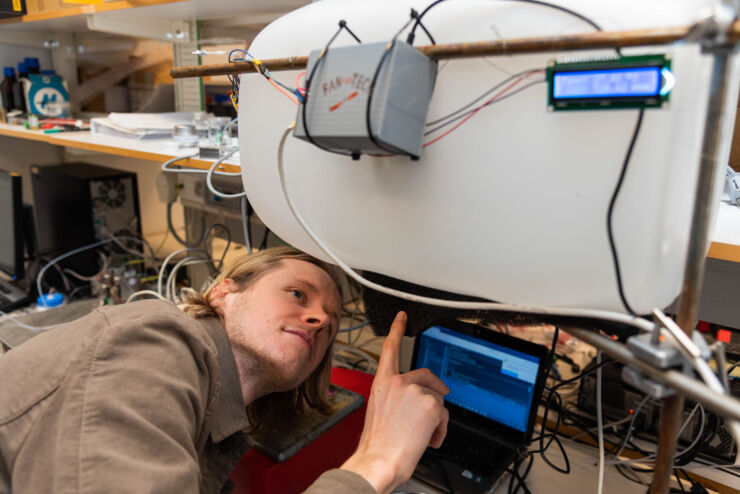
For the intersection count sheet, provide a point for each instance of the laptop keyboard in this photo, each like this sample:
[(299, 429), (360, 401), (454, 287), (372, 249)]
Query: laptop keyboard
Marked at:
[(470, 448), (10, 296)]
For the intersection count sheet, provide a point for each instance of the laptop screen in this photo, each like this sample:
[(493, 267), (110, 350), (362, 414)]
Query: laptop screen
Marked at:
[(486, 378)]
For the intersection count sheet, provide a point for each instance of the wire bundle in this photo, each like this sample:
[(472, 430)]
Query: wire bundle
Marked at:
[(289, 92)]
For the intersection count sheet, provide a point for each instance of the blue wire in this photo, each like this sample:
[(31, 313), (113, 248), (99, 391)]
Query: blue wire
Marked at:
[(352, 328)]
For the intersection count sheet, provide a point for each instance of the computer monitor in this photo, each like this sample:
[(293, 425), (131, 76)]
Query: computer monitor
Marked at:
[(11, 225)]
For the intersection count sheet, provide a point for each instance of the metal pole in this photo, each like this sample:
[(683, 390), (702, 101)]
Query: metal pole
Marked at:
[(724, 405), (670, 417)]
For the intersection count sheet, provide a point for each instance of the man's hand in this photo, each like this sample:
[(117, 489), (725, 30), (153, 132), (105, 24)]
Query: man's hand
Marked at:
[(405, 414)]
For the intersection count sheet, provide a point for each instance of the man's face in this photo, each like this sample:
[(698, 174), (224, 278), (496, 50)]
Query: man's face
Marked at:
[(284, 322)]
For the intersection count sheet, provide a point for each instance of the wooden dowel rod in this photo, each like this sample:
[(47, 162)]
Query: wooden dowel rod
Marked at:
[(568, 42)]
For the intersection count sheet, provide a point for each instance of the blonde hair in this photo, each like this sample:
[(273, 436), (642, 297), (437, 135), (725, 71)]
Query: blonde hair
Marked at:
[(278, 408)]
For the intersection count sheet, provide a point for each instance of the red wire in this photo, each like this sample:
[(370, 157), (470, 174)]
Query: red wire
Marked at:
[(301, 90), (282, 91), (471, 114)]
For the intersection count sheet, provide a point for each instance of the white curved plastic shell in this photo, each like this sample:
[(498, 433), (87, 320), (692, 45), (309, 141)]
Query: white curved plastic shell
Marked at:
[(512, 205)]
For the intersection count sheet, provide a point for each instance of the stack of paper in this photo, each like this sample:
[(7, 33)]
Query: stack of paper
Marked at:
[(140, 125)]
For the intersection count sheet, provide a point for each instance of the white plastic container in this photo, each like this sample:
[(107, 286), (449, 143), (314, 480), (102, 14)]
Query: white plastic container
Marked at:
[(511, 206)]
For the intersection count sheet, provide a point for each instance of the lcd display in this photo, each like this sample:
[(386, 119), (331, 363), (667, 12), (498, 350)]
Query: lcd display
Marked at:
[(611, 83), (488, 379)]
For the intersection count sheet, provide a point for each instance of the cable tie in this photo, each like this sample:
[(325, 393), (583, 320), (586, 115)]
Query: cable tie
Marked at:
[(258, 65)]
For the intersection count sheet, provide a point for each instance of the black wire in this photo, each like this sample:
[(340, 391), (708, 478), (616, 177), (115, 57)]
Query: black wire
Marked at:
[(553, 437), (568, 11), (610, 211), (733, 367), (429, 35), (309, 80), (355, 364), (228, 244), (414, 16), (520, 478), (177, 237), (263, 244), (411, 36), (370, 92), (249, 224), (634, 479), (678, 479), (563, 9)]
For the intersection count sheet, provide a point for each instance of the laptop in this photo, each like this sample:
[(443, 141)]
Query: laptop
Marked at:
[(495, 383)]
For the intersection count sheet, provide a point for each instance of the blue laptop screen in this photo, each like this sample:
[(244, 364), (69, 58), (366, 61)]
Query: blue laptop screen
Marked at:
[(483, 377)]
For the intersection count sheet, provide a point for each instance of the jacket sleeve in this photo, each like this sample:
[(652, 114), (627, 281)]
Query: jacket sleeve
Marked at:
[(144, 403), (340, 481)]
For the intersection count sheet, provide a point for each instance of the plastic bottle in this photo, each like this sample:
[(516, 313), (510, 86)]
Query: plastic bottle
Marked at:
[(19, 96), (6, 89), (32, 64)]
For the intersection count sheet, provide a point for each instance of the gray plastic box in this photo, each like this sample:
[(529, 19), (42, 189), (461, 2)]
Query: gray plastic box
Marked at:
[(337, 102)]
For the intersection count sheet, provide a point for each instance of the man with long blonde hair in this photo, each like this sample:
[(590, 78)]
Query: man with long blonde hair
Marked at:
[(146, 397)]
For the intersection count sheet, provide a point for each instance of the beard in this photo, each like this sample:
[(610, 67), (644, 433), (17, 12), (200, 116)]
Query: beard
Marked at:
[(268, 375)]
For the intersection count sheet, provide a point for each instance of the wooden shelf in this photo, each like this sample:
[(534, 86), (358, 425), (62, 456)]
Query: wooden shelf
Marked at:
[(726, 234), (726, 252), (51, 16), (159, 150), (42, 13)]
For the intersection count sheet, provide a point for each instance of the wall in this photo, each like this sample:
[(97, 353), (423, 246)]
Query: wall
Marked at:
[(17, 155)]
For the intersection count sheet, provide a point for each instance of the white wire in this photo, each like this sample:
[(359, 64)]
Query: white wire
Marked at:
[(143, 292), (117, 241), (191, 170), (5, 315), (247, 240), (701, 429), (632, 425), (59, 258), (175, 298), (176, 159), (599, 422), (172, 277), (209, 174), (637, 322), (228, 126), (651, 456), (164, 266), (81, 277), (606, 426)]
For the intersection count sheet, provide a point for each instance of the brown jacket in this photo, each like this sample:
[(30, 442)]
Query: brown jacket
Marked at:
[(132, 398)]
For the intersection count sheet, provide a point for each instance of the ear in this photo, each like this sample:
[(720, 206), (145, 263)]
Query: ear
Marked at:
[(217, 297)]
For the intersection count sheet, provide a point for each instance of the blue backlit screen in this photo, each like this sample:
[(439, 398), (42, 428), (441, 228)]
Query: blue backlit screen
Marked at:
[(611, 83), (483, 377)]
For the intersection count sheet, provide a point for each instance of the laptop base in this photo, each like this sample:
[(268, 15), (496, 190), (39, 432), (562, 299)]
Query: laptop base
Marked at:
[(449, 476)]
